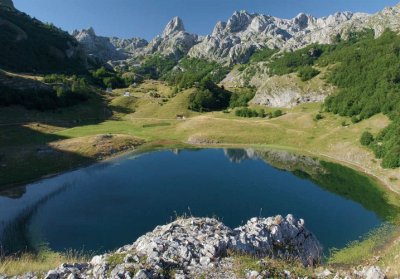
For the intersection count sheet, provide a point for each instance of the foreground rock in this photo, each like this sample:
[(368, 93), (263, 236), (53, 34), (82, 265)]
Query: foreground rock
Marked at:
[(206, 248), (189, 247)]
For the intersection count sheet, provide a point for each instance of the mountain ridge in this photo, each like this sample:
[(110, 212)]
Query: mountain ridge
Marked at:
[(233, 41)]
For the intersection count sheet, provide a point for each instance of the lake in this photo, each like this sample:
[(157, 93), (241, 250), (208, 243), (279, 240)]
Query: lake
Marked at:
[(107, 205)]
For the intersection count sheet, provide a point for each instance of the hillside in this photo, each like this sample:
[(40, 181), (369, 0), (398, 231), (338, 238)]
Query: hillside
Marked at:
[(28, 45)]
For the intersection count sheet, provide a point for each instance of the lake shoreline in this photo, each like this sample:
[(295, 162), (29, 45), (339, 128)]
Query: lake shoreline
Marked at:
[(168, 145)]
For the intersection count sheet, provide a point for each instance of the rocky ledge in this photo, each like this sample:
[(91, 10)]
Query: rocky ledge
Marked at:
[(204, 248)]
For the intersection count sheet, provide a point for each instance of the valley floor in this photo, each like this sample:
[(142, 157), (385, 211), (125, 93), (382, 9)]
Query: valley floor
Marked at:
[(34, 144)]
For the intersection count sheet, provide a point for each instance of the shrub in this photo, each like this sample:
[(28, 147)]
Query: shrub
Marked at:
[(192, 70), (155, 67), (307, 73), (209, 97), (277, 113), (108, 78), (366, 138), (318, 116), (262, 55), (247, 112), (241, 99), (291, 62), (355, 119), (392, 158)]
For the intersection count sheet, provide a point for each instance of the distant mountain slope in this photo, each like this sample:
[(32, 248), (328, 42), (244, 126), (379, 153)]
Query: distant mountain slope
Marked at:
[(28, 45), (97, 47), (234, 41), (174, 42)]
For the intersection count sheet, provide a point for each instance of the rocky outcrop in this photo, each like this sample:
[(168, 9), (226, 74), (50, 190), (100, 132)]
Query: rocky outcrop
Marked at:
[(174, 41), (205, 247), (99, 48), (234, 41), (129, 46), (194, 246), (278, 237), (278, 91)]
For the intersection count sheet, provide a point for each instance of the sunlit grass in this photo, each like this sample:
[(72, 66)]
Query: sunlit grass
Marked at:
[(42, 262)]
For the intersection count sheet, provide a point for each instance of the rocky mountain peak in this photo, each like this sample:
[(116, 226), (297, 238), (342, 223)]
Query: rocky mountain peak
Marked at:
[(239, 21), (174, 26), (219, 28), (303, 20), (84, 33)]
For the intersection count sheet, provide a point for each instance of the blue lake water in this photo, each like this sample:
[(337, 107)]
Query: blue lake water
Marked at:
[(108, 205)]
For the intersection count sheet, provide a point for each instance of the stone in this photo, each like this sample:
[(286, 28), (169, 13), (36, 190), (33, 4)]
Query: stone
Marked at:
[(199, 246), (278, 237), (371, 272), (324, 274), (252, 274), (205, 261), (174, 26), (51, 275), (141, 274)]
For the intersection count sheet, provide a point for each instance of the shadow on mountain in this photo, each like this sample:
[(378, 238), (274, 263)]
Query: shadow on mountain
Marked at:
[(25, 136)]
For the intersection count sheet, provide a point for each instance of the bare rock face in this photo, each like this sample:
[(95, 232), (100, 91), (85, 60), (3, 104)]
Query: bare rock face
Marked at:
[(174, 41), (174, 26), (234, 41), (196, 246), (199, 246), (278, 237), (97, 47), (130, 46)]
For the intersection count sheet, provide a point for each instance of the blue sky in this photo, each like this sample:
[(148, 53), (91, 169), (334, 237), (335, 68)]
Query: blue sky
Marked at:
[(147, 18)]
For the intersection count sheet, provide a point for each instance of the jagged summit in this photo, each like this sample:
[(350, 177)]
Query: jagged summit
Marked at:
[(234, 40), (174, 26)]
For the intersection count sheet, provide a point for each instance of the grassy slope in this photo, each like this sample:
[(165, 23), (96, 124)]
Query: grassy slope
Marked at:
[(141, 116)]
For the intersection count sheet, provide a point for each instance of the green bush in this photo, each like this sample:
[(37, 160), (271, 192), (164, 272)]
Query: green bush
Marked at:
[(391, 159), (366, 138), (241, 99), (155, 67), (41, 99), (318, 116), (355, 119), (209, 97), (291, 62), (108, 78), (307, 72), (277, 113), (190, 71), (262, 55), (247, 112)]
